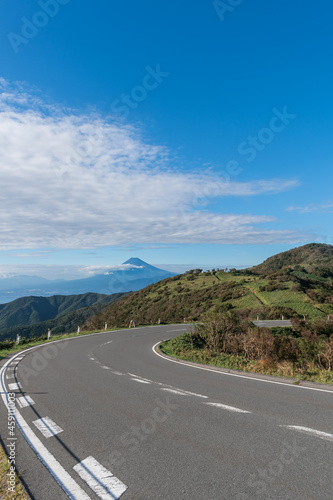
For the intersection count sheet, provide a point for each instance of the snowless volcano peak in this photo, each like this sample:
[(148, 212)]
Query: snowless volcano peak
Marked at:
[(134, 261)]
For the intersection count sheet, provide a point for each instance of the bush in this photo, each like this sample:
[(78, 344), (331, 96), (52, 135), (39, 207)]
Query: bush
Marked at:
[(258, 343), (218, 328)]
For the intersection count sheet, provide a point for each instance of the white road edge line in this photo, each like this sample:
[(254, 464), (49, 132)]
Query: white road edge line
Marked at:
[(67, 483), (235, 374), (312, 432), (99, 479), (228, 408), (47, 427)]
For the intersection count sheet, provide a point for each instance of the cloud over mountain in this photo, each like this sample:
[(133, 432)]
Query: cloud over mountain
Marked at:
[(74, 180)]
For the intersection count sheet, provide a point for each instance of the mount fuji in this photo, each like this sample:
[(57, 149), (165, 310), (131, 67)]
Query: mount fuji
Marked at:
[(133, 275)]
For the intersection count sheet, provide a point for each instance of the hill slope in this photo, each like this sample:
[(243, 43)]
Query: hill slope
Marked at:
[(32, 316), (315, 258), (280, 286)]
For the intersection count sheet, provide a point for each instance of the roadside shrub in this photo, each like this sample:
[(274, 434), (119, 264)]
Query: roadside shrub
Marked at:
[(325, 353), (7, 344), (218, 328), (258, 343)]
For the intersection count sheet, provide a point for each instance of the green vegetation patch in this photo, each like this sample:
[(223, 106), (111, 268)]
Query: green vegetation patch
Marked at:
[(304, 352)]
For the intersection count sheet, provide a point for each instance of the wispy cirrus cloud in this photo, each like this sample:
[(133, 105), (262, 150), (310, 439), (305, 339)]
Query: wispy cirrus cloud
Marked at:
[(312, 207), (30, 255), (74, 180)]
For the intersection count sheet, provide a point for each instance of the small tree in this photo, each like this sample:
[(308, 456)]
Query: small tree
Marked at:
[(218, 327)]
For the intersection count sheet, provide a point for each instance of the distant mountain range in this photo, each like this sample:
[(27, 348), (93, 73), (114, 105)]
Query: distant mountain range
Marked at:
[(295, 283), (136, 275)]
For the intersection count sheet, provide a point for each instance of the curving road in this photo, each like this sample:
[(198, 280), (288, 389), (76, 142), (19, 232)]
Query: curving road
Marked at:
[(110, 418)]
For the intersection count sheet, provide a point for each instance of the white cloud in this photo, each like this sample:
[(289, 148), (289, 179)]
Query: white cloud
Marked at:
[(324, 208), (30, 255), (93, 270), (79, 181), (64, 272)]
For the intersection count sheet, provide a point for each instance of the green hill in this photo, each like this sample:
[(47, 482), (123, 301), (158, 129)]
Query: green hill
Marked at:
[(316, 258), (32, 316), (296, 283)]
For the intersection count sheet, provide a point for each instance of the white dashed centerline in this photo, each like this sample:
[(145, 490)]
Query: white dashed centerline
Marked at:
[(164, 387), (140, 380), (106, 343), (174, 391), (228, 408), (188, 393), (99, 479), (311, 432)]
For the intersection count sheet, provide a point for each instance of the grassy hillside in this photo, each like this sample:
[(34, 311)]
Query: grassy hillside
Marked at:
[(32, 316), (268, 291), (316, 258)]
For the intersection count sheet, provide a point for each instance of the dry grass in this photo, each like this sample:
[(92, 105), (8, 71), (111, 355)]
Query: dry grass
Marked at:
[(19, 490)]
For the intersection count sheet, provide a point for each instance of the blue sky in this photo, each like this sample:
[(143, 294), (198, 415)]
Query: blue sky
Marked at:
[(184, 133)]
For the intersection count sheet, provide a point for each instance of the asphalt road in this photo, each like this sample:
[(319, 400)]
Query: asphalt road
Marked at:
[(271, 323), (125, 422)]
